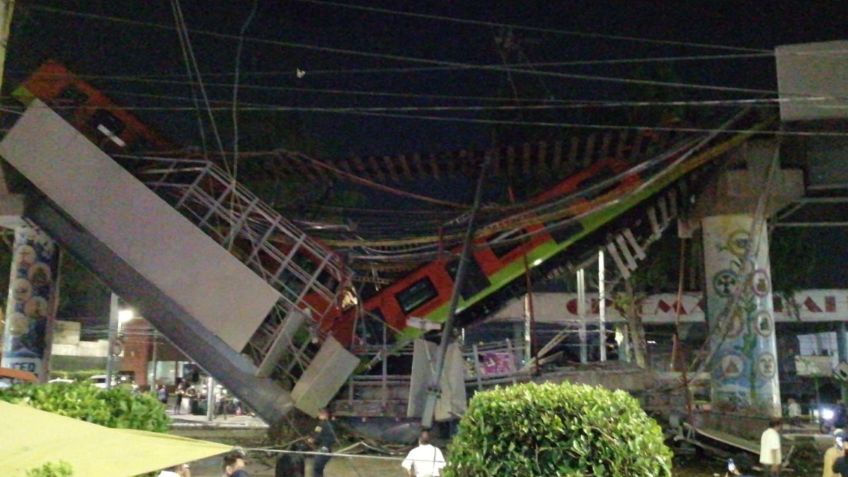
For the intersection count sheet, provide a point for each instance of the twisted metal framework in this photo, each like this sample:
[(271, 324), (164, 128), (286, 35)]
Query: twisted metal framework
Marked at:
[(309, 276)]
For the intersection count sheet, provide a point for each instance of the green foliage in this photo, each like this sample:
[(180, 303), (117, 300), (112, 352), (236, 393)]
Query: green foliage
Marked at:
[(557, 430), (117, 408), (50, 469)]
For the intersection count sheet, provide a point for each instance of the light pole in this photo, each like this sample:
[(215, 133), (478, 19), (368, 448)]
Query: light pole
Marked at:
[(117, 317)]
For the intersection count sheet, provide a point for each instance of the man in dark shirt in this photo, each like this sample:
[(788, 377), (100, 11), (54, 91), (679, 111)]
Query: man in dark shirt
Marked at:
[(323, 437)]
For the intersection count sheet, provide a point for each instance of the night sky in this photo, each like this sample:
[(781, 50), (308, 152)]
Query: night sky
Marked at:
[(109, 48)]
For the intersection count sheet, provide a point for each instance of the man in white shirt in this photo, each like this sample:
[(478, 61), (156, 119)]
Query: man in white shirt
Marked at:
[(425, 460), (770, 456), (794, 412)]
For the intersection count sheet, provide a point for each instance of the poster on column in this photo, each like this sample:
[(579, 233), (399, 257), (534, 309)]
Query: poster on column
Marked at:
[(28, 309)]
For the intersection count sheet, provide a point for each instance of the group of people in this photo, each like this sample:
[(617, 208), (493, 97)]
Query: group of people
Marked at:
[(835, 458), (426, 460)]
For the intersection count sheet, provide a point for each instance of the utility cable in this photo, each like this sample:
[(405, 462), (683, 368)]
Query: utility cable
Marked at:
[(405, 58), (236, 74), (192, 84), (575, 33), (426, 69), (183, 28), (595, 126), (553, 105)]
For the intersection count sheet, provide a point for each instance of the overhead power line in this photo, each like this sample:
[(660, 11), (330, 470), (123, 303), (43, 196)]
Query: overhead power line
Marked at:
[(404, 58), (556, 31), (574, 104), (425, 69), (599, 126)]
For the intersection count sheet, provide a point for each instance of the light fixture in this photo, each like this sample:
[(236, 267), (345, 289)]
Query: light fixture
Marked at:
[(125, 315), (537, 262)]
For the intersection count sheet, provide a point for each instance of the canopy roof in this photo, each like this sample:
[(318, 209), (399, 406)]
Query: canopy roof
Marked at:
[(30, 438)]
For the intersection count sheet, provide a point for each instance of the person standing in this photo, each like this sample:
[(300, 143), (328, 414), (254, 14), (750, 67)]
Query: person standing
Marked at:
[(179, 392), (323, 437), (770, 452), (162, 394), (182, 470), (190, 400), (234, 465), (833, 453), (793, 411), (426, 460)]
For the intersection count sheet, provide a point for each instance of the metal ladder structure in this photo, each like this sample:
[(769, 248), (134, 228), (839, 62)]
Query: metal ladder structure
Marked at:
[(310, 277)]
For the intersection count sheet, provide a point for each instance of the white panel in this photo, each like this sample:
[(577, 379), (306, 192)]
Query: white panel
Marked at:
[(628, 257), (640, 254), (622, 268), (141, 228), (816, 306), (655, 225), (423, 359), (664, 217), (452, 401), (809, 71), (326, 374)]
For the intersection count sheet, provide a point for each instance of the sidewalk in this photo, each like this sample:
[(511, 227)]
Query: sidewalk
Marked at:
[(221, 421)]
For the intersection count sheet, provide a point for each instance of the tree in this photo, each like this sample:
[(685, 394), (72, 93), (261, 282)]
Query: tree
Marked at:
[(116, 407)]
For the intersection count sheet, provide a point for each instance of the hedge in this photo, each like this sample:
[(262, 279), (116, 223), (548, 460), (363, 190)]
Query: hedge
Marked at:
[(557, 430), (115, 407)]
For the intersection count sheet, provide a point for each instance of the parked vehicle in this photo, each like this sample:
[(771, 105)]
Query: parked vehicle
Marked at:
[(10, 376)]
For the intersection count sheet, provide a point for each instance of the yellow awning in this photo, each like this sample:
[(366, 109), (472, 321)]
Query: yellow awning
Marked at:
[(30, 438)]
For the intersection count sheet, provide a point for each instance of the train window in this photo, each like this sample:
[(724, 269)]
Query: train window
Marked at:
[(503, 243), (416, 295), (565, 233), (109, 125), (475, 280)]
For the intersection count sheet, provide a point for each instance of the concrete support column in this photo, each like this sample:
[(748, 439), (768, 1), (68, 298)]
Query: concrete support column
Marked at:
[(30, 308), (744, 366), (518, 330), (842, 349)]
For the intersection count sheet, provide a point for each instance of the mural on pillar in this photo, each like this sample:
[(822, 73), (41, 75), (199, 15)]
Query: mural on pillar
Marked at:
[(28, 309), (744, 367)]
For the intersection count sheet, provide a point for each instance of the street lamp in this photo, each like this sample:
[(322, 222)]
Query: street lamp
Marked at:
[(117, 317), (125, 315)]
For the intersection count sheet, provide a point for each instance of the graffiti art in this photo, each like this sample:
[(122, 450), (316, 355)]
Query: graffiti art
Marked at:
[(724, 282)]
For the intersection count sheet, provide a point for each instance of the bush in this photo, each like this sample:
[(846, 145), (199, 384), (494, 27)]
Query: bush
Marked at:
[(111, 408), (557, 430)]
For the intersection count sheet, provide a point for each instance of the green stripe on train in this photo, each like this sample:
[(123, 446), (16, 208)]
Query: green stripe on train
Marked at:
[(592, 223)]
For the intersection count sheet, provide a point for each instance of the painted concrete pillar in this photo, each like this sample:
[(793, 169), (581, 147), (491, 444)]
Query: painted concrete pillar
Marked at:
[(30, 308), (842, 349), (744, 364)]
